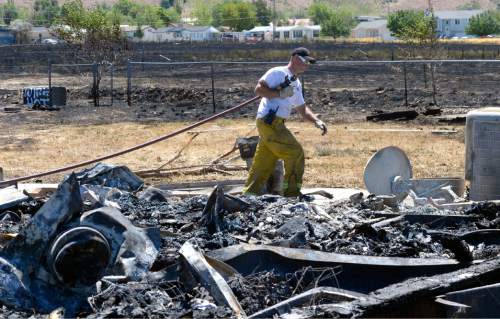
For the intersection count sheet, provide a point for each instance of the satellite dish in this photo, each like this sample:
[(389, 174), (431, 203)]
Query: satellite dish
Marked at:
[(383, 168)]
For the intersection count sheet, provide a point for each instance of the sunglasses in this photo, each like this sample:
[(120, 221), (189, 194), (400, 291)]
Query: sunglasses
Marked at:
[(304, 60)]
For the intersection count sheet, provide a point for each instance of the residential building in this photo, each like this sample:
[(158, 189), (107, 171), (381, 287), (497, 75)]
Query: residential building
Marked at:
[(286, 33), (200, 33), (373, 29), (453, 23)]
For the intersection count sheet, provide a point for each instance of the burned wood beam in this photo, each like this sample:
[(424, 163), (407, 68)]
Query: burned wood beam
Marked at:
[(211, 279), (393, 116)]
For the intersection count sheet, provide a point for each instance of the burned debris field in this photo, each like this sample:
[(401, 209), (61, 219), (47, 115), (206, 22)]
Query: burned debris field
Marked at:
[(111, 247)]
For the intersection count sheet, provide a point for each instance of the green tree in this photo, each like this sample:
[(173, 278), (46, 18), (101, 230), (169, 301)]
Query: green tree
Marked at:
[(10, 12), (485, 23), (264, 14), (89, 27), (202, 12), (339, 24), (411, 24), (127, 8), (149, 15), (169, 15), (319, 12), (235, 14), (45, 12)]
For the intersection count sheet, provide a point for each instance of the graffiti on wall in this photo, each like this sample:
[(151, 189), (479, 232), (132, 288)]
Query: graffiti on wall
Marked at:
[(36, 96)]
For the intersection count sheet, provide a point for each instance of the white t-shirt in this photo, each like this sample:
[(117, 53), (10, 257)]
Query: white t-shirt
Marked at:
[(274, 77)]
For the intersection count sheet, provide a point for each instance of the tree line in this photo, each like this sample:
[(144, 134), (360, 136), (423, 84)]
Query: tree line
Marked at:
[(337, 18)]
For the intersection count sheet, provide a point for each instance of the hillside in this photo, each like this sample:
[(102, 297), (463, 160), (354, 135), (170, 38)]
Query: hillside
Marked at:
[(298, 6)]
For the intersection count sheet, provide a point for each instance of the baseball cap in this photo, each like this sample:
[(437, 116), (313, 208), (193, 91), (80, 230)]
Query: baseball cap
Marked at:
[(305, 54)]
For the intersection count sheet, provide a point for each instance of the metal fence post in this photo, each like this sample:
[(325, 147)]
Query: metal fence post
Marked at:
[(213, 85), (129, 83), (406, 84), (95, 88), (112, 89), (50, 83), (433, 69), (425, 75)]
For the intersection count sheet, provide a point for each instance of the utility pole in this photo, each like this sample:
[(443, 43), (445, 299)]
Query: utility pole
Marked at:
[(274, 20)]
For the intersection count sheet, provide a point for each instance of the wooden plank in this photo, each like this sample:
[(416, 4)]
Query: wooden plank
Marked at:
[(200, 185)]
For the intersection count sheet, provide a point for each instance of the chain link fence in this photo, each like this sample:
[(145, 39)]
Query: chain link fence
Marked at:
[(207, 87)]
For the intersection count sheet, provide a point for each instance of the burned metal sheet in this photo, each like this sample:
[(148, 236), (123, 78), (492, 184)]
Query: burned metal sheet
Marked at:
[(415, 297), (60, 254), (325, 294), (103, 174), (10, 197), (132, 250), (478, 302), (211, 278), (358, 273)]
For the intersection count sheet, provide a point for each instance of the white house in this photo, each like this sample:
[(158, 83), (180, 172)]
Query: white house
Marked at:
[(453, 23), (286, 33), (372, 29), (199, 33)]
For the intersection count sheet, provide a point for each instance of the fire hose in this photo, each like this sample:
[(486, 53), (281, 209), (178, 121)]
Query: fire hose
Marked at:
[(14, 181)]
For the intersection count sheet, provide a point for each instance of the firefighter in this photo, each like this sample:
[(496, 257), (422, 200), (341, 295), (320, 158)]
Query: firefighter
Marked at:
[(281, 91)]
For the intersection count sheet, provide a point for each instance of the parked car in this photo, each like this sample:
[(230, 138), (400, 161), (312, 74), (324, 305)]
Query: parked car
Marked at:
[(50, 41)]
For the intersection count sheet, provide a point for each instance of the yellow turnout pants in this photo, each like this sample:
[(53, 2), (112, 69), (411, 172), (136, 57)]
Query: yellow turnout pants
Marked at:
[(276, 142)]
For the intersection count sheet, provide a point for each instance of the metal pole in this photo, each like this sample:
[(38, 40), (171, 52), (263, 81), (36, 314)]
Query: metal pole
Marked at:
[(274, 19), (213, 85), (406, 84), (142, 57), (50, 83), (433, 84), (425, 75), (129, 83), (112, 89), (95, 88)]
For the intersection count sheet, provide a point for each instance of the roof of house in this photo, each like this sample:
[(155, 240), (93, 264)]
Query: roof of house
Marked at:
[(188, 28), (132, 28), (285, 28), (457, 14), (194, 28), (371, 24)]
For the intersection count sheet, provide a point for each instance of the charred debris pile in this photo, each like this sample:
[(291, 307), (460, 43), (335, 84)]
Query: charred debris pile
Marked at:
[(104, 245)]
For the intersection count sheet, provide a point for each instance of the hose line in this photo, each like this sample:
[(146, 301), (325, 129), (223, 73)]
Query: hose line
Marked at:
[(130, 149)]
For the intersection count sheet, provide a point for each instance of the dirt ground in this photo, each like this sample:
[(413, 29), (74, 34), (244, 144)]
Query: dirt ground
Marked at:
[(37, 140)]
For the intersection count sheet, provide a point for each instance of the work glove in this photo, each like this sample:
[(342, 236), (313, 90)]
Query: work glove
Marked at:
[(286, 92), (322, 126)]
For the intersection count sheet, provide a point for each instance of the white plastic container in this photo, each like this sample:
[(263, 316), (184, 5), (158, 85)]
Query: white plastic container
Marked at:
[(482, 153)]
